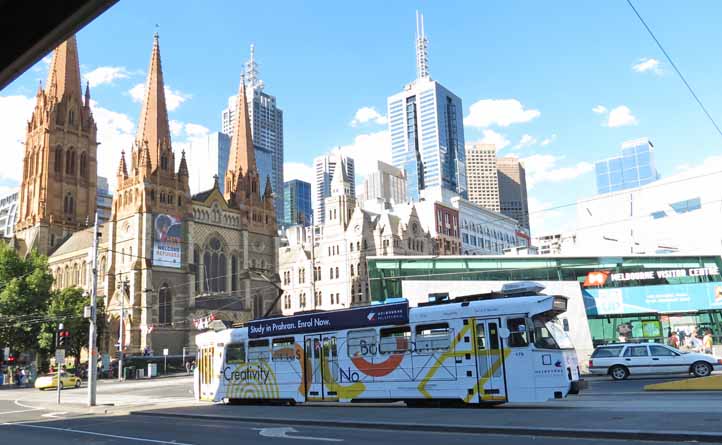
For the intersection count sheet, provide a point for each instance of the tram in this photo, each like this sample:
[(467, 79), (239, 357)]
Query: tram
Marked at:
[(499, 347)]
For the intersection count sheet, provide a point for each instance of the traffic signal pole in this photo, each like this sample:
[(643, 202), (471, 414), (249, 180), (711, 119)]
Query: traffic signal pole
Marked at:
[(92, 348), (59, 345)]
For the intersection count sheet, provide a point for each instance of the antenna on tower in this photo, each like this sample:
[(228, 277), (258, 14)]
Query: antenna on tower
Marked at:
[(252, 71), (422, 48)]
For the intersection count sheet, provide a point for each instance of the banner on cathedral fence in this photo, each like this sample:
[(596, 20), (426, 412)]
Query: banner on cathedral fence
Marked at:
[(167, 239)]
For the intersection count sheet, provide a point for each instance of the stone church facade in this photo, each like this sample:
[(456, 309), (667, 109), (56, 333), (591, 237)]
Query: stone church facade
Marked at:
[(165, 258)]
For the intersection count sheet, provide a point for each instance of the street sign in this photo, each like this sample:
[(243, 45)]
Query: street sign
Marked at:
[(165, 351), (60, 356)]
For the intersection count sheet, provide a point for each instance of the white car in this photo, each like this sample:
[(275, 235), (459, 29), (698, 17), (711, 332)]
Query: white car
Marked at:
[(621, 360)]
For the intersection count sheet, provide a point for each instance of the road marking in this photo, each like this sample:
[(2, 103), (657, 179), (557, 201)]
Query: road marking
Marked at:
[(283, 431), (19, 411), (91, 433), (54, 415), (30, 408)]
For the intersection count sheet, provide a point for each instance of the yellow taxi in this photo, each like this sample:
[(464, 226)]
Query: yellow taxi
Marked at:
[(51, 381)]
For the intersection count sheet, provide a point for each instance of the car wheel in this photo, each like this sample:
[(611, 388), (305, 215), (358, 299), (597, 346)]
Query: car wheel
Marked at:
[(77, 383), (701, 369), (61, 385), (619, 372)]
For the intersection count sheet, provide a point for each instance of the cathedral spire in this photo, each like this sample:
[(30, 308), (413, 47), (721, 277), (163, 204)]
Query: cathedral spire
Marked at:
[(122, 168), (242, 154), (340, 185), (64, 73), (153, 126), (87, 94)]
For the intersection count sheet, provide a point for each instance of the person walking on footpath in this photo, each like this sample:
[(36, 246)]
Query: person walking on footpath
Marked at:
[(673, 340), (707, 341)]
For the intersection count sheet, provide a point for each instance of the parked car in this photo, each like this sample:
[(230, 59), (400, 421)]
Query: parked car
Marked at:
[(621, 360), (51, 381)]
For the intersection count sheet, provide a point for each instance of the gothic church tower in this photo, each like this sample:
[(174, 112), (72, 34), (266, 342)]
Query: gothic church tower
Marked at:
[(58, 188)]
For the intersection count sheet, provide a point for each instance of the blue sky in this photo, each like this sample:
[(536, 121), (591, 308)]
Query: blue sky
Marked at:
[(532, 68)]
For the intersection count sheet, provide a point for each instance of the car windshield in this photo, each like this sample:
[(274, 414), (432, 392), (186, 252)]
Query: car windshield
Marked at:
[(548, 334)]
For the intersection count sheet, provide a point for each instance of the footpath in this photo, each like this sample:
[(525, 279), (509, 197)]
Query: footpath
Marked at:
[(554, 420)]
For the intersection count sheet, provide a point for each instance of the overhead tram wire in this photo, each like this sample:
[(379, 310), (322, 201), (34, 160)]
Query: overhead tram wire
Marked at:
[(671, 62)]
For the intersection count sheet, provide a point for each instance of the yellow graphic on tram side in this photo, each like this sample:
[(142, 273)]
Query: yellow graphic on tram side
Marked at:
[(250, 381)]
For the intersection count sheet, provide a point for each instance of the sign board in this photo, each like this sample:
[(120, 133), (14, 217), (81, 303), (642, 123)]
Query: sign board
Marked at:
[(661, 298), (378, 315), (600, 278), (165, 351), (60, 356), (167, 238)]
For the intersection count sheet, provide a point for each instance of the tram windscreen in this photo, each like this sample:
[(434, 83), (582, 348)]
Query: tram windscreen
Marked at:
[(548, 334)]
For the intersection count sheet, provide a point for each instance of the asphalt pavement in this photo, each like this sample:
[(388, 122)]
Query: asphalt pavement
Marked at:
[(166, 413)]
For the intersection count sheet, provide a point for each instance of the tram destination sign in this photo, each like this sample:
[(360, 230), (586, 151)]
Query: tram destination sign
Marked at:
[(386, 314)]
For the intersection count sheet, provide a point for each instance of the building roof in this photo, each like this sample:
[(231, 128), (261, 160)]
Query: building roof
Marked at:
[(80, 241)]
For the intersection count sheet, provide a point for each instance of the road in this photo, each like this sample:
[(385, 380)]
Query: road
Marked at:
[(29, 417)]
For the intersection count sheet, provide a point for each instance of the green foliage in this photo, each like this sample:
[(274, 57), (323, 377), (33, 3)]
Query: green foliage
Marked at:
[(24, 294), (66, 306)]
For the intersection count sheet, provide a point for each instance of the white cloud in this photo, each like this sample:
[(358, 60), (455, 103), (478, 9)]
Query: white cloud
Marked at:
[(501, 112), (544, 221), (115, 134), (366, 150), (647, 64), (367, 114), (548, 140), (498, 139), (298, 170), (621, 116), (544, 168), (15, 111), (173, 98), (526, 140), (106, 74), (195, 130), (176, 127)]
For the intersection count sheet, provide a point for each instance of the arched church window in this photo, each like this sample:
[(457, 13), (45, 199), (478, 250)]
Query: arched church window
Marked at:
[(196, 261), (58, 162), (165, 305), (70, 162), (215, 266), (68, 203), (83, 165), (179, 201), (234, 273), (71, 117)]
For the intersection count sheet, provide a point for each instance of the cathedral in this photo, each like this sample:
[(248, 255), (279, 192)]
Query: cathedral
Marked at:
[(166, 259)]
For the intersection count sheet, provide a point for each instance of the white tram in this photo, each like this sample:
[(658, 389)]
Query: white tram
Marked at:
[(492, 348)]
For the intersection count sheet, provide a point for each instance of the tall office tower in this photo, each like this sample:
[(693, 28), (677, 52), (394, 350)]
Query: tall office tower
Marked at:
[(512, 189), (104, 201), (297, 205), (427, 130), (266, 127), (325, 166), (387, 183), (481, 175), (8, 213), (634, 168)]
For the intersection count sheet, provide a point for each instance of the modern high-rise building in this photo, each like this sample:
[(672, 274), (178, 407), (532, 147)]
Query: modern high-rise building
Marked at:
[(8, 214), (634, 168), (481, 176), (387, 183), (266, 126), (297, 203), (426, 129), (104, 201), (324, 167), (512, 189)]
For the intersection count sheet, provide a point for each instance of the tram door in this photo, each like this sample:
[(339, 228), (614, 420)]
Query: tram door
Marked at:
[(321, 365), (490, 361)]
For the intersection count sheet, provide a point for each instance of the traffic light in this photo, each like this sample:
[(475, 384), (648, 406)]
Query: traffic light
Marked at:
[(61, 338)]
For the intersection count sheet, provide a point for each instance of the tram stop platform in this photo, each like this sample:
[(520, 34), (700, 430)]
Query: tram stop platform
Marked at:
[(711, 383)]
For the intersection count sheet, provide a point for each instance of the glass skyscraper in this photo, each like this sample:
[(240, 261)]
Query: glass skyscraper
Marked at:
[(427, 130), (297, 203), (634, 168)]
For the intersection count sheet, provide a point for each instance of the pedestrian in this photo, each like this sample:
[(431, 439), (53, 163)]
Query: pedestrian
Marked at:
[(16, 377), (707, 341), (673, 340), (693, 343), (23, 377), (188, 366)]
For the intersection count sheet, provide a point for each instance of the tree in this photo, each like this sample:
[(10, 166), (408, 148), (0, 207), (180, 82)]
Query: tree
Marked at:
[(66, 306), (24, 293)]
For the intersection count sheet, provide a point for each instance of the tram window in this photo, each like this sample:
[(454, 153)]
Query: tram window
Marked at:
[(283, 349), (235, 353), (361, 343), (518, 336), (480, 337), (433, 337), (258, 350), (493, 336), (394, 340)]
